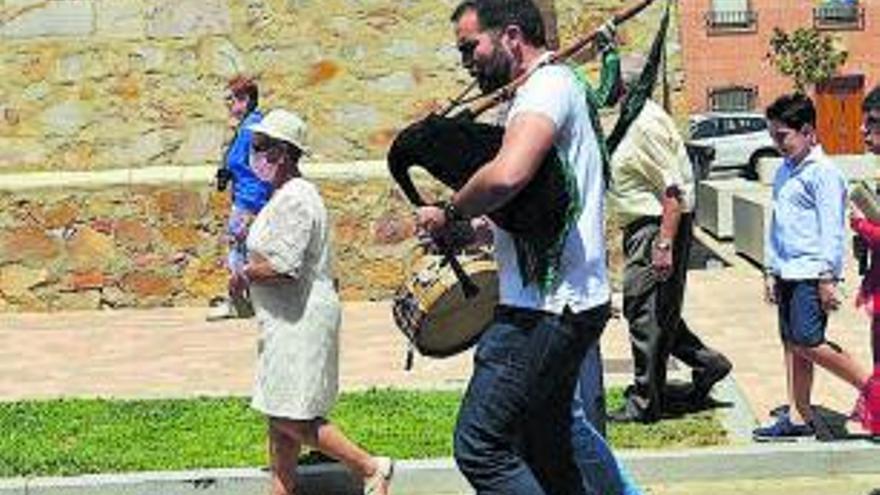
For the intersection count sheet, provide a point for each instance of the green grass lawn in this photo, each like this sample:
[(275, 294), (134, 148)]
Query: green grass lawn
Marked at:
[(68, 437)]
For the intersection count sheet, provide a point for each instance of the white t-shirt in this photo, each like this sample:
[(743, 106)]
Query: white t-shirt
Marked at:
[(553, 91)]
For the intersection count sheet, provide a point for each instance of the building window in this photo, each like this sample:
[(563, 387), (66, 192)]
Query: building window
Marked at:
[(733, 99), (731, 16), (839, 14)]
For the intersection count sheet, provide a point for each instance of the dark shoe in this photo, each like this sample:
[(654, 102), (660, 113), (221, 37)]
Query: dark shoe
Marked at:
[(778, 411), (704, 381), (625, 415), (783, 430)]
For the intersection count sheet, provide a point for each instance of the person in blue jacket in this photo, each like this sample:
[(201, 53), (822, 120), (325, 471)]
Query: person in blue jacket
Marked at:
[(249, 193)]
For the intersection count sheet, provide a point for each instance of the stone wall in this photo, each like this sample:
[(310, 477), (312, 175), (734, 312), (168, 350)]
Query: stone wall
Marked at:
[(151, 237), (112, 119), (101, 84)]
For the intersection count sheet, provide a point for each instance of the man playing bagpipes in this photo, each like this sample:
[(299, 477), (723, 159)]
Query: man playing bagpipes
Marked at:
[(513, 431), (541, 180)]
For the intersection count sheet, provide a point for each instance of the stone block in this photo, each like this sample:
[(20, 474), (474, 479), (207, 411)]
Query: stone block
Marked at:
[(84, 300), (16, 281), (221, 57), (61, 215), (398, 82), (71, 68), (149, 261), (187, 18), (392, 228), (383, 274), (351, 230), (79, 155), (88, 249), (147, 59), (37, 92), (120, 19), (133, 234), (357, 115), (102, 225), (134, 151), (219, 204), (114, 297), (30, 245), (181, 237), (180, 204), (715, 204), (205, 278), (148, 284), (203, 144), (66, 118), (751, 223), (18, 153), (85, 280), (50, 18)]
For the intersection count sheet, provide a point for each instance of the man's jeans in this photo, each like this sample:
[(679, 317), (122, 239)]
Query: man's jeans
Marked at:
[(600, 470), (514, 431)]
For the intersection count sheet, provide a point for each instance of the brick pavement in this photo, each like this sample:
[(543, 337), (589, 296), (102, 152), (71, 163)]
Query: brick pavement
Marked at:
[(173, 352)]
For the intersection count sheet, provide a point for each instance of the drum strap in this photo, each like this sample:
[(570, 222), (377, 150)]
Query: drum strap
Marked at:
[(410, 355)]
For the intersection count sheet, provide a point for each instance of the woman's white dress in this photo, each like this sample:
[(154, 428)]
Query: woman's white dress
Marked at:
[(298, 365)]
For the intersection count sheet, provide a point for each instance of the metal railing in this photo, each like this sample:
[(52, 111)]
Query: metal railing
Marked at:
[(839, 17), (731, 20)]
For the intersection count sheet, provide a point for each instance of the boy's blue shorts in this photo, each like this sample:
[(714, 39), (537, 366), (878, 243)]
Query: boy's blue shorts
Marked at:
[(802, 321)]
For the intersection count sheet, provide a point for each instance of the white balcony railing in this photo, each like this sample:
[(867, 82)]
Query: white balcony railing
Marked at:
[(839, 17), (731, 20)]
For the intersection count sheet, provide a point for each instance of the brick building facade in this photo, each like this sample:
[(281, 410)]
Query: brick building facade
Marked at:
[(725, 45)]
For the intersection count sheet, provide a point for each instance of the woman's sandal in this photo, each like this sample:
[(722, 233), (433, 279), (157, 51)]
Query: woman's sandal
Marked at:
[(378, 483)]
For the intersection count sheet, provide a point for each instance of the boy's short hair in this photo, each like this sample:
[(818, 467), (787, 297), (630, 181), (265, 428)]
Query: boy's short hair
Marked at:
[(872, 101), (795, 110)]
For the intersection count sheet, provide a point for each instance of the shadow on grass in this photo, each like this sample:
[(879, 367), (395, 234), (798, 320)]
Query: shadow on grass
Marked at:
[(680, 401)]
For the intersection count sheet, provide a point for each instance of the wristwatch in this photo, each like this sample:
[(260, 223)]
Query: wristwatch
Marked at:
[(450, 211)]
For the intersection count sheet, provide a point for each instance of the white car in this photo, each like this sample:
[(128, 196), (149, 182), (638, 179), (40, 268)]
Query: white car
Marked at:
[(739, 140)]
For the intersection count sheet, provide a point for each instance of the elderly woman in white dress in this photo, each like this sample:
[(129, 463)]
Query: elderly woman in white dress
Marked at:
[(298, 311)]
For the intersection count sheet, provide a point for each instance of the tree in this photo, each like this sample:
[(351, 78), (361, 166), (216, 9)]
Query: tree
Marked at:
[(805, 55)]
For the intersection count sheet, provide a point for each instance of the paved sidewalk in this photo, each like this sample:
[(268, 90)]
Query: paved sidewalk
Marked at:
[(174, 352), (835, 485)]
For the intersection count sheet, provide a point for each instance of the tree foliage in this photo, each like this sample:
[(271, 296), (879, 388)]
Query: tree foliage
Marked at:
[(805, 55)]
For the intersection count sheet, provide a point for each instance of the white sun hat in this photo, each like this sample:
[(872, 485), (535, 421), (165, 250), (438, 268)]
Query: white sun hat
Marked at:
[(284, 126)]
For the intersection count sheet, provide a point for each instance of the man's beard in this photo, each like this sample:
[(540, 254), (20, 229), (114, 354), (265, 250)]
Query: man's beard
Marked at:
[(497, 71)]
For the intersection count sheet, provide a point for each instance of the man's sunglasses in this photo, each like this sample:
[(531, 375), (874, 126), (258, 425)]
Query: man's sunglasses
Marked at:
[(466, 48)]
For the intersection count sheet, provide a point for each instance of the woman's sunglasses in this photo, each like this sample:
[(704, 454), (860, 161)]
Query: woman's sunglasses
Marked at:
[(266, 145)]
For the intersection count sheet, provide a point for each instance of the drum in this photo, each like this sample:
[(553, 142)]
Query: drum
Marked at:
[(432, 312)]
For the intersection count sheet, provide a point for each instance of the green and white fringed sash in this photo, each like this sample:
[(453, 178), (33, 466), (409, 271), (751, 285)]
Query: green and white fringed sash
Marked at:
[(539, 258)]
